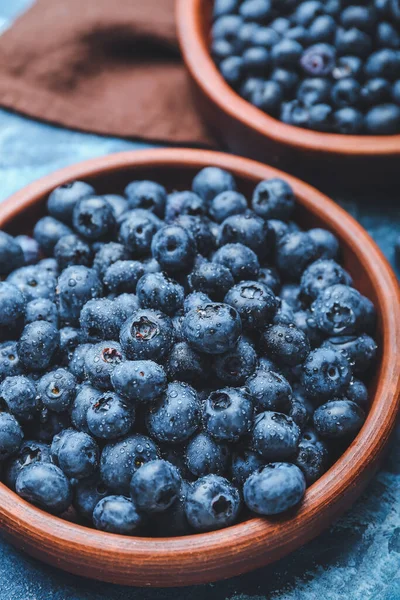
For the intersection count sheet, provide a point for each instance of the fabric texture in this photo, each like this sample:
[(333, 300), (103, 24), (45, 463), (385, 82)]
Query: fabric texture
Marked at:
[(107, 66)]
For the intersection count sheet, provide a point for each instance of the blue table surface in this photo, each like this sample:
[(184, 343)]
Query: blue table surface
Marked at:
[(357, 558)]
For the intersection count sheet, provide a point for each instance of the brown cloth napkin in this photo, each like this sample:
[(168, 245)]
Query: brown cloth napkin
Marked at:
[(107, 66)]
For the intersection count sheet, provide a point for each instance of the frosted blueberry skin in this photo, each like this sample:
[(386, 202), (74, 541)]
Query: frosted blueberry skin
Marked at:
[(117, 514), (139, 381), (212, 502), (213, 328), (275, 488), (275, 436), (46, 486)]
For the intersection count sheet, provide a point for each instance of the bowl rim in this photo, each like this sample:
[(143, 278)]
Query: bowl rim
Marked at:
[(202, 69), (257, 537)]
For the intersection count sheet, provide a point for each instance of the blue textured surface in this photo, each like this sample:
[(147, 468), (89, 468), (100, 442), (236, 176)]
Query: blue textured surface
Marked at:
[(358, 558)]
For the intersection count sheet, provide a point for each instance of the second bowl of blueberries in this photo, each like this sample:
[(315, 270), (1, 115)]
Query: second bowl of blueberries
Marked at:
[(300, 80)]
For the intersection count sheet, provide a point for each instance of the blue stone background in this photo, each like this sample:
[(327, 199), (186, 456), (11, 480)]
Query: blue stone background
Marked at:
[(358, 558)]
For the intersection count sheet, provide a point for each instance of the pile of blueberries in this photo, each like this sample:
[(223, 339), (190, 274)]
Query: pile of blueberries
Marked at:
[(169, 358), (326, 65)]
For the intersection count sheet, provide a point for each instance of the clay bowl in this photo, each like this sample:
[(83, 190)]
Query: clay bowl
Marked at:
[(253, 543), (243, 129)]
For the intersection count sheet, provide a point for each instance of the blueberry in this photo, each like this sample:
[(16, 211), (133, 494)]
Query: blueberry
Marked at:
[(137, 231), (255, 61), (107, 255), (263, 36), (306, 12), (139, 381), (93, 218), (304, 320), (19, 394), (375, 91), (234, 366), (287, 79), (110, 417), (100, 320), (222, 7), (320, 275), (326, 242), (294, 253), (286, 54), (361, 17), (160, 292), (360, 351), (72, 250), (318, 60), (213, 328), (241, 261), (291, 293), (339, 310), (274, 488), (78, 455), (148, 195), (348, 66), (275, 436), (48, 231), (211, 181), (77, 361), (147, 334), (30, 249), (269, 276), (41, 309), (312, 457), (268, 97), (383, 63), (12, 305), (57, 389), (200, 228), (244, 463), (387, 36), (185, 364), (87, 493), (100, 362), (357, 392), (174, 248), (176, 414), (122, 276), (125, 305), (76, 286), (11, 436), (301, 35), (338, 419), (11, 255), (232, 70), (204, 455), (213, 279), (228, 414), (62, 200), (286, 344), (9, 361), (195, 300), (117, 514), (30, 452), (353, 41), (346, 92), (34, 282), (323, 29), (155, 486), (294, 113), (326, 373), (256, 10), (280, 25), (270, 390), (87, 396), (383, 120), (212, 502), (118, 204), (38, 344), (172, 522), (254, 301), (226, 204), (120, 460), (184, 203), (273, 199), (313, 90), (44, 485)]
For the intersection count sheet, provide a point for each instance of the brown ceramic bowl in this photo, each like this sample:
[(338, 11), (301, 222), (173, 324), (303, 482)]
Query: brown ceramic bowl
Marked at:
[(244, 129), (256, 542)]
